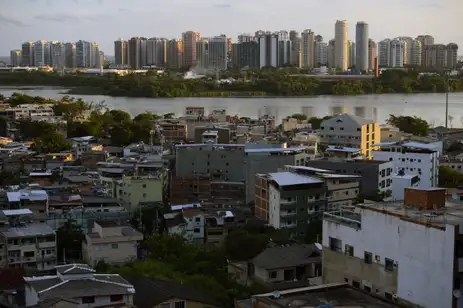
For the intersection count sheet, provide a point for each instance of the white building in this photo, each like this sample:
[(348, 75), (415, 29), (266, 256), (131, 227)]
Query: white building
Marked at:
[(268, 49), (190, 223), (397, 53), (79, 286), (42, 53), (308, 48), (412, 158), (340, 47), (384, 53), (409, 254), (321, 53)]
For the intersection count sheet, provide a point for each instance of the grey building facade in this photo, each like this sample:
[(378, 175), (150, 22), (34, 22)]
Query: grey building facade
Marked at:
[(376, 175), (223, 133), (361, 45)]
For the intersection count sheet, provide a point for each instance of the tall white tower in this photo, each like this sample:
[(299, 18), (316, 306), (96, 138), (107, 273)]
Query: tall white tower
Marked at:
[(340, 47)]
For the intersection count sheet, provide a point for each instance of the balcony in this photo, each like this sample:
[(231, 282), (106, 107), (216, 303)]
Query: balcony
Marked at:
[(46, 245), (288, 214), (345, 218), (287, 202)]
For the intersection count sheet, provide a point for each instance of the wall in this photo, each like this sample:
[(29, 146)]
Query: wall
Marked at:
[(425, 257), (124, 252), (189, 304)]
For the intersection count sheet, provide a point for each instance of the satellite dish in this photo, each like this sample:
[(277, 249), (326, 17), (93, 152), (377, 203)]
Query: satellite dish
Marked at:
[(276, 294), (319, 246), (457, 293)]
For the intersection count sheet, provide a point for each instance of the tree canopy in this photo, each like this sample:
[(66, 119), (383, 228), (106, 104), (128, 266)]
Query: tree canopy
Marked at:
[(409, 124), (69, 239)]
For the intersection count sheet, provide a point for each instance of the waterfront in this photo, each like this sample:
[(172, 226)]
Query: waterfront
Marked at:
[(430, 107)]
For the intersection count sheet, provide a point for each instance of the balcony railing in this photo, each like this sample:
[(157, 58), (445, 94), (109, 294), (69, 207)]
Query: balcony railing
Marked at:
[(346, 218)]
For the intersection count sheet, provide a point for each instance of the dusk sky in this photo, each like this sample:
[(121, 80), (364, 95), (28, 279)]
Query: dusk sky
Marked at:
[(104, 21)]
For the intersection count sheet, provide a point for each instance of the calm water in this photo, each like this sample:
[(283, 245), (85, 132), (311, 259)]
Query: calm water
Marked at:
[(430, 107)]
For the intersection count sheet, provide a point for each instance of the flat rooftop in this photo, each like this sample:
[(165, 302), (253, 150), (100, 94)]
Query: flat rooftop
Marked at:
[(291, 178), (28, 230), (328, 295)]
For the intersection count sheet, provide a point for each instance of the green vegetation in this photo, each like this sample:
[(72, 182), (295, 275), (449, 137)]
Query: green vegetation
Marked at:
[(412, 125), (449, 178), (69, 241), (268, 82)]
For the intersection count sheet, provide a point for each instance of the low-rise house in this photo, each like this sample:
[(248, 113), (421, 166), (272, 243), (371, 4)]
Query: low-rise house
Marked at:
[(79, 284), (288, 263), (111, 243), (34, 200), (156, 293), (190, 223)]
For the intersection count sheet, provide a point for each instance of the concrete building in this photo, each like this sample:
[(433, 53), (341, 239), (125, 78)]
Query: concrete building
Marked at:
[(24, 244), (452, 56), (174, 54), (211, 53), (416, 53), (376, 176), (111, 243), (321, 52), (156, 52), (223, 134), (361, 44), (133, 191), (404, 252), (76, 285), (27, 54), (268, 49), (15, 57), (411, 158), (351, 56), (425, 39), (308, 49), (120, 52), (284, 49), (341, 49), (350, 131), (384, 53), (95, 59), (58, 55), (331, 53), (42, 53), (70, 55), (397, 52), (83, 54), (35, 200), (372, 54), (137, 52), (246, 53), (189, 48), (189, 223), (296, 48)]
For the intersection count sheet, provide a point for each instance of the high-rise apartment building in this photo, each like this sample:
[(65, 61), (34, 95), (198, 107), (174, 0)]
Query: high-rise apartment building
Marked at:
[(189, 47), (137, 52), (202, 54), (95, 58), (174, 54), (341, 48), (156, 50), (246, 54), (27, 54), (372, 54), (425, 39), (211, 53), (58, 55), (15, 57), (397, 52), (70, 55), (384, 53), (440, 56), (308, 49), (42, 53), (351, 52), (321, 52), (408, 46), (120, 52), (361, 45), (284, 48), (268, 48), (296, 48), (331, 53), (83, 54), (452, 53), (416, 53)]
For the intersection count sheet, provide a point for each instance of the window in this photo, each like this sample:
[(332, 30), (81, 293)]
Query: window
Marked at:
[(114, 246), (355, 284), (116, 298), (335, 244), (349, 250), (272, 274), (196, 230), (144, 186), (368, 257), (88, 299), (198, 219), (389, 265), (179, 305)]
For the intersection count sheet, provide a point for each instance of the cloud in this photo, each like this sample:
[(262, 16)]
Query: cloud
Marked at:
[(222, 6), (11, 21)]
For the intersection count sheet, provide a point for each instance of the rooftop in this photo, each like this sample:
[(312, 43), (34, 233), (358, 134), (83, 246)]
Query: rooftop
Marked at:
[(275, 150), (33, 195), (287, 256), (305, 168), (291, 178), (74, 268), (332, 148), (346, 117), (28, 230), (328, 295)]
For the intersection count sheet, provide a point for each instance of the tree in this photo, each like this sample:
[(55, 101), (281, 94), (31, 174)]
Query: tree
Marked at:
[(299, 116), (413, 125), (69, 239), (449, 178), (316, 122), (51, 143), (169, 115), (239, 238)]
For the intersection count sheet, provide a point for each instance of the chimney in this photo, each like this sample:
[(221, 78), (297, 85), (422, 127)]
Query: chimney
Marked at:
[(426, 199)]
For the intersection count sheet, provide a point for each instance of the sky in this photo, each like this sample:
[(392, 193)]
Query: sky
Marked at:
[(104, 21)]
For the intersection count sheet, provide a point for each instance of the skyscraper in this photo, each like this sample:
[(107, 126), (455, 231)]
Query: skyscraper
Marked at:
[(42, 53), (384, 53), (341, 49), (83, 51), (331, 53), (156, 49), (408, 46), (372, 54), (70, 55), (351, 54), (417, 52), (174, 54), (308, 49), (218, 51), (137, 52), (58, 54), (425, 39), (120, 52), (284, 48), (397, 53), (321, 52), (95, 59), (268, 48), (27, 54), (189, 47), (361, 45), (452, 51), (296, 46), (15, 57)]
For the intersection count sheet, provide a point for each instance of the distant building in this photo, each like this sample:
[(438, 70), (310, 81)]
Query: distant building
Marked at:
[(27, 54), (189, 48), (15, 57)]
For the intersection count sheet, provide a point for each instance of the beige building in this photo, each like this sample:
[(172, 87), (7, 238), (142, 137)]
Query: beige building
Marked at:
[(308, 49), (174, 54), (134, 190), (351, 131), (111, 243), (341, 48)]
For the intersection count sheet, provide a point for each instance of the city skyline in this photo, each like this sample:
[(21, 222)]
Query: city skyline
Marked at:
[(104, 21)]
